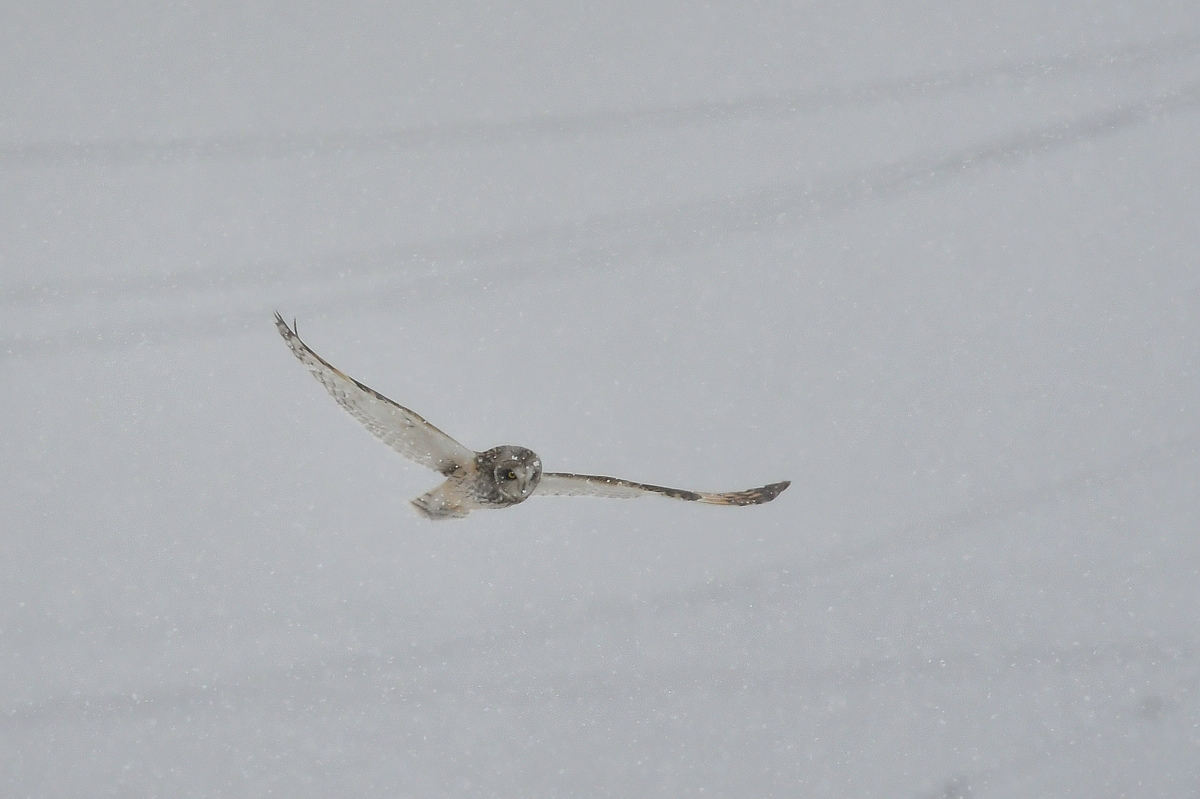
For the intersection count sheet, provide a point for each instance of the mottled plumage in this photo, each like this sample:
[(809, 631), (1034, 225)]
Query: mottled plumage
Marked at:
[(496, 478)]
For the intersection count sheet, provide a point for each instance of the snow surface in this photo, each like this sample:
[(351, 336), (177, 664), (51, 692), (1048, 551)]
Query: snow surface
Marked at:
[(938, 264)]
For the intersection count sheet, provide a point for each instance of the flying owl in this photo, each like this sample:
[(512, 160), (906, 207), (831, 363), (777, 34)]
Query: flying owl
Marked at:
[(500, 477)]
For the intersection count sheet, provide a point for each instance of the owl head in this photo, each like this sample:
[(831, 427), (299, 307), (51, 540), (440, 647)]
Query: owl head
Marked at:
[(514, 472)]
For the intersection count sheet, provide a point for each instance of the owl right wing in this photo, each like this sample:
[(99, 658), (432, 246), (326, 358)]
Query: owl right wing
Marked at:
[(591, 485), (392, 423)]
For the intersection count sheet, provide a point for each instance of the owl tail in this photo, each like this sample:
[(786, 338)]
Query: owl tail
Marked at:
[(443, 502)]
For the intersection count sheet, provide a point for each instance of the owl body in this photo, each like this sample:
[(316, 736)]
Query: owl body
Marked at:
[(496, 478)]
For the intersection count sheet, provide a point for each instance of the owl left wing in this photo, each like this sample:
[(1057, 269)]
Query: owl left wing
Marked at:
[(590, 485), (401, 429)]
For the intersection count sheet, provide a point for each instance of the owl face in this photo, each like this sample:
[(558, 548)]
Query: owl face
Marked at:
[(515, 472)]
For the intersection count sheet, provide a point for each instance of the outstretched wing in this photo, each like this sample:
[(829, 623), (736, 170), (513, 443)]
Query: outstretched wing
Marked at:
[(397, 426), (590, 485)]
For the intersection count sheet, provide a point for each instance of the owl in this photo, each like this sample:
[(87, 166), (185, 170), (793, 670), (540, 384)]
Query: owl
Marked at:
[(497, 478)]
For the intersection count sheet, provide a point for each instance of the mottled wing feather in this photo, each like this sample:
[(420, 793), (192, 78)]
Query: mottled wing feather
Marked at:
[(397, 426), (590, 485)]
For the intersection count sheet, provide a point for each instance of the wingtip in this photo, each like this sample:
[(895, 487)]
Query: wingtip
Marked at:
[(286, 330), (774, 489), (753, 496), (761, 496)]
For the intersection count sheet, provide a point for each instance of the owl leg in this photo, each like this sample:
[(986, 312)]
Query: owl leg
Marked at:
[(443, 502)]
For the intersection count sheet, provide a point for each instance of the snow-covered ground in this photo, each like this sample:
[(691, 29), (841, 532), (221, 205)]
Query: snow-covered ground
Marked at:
[(937, 265)]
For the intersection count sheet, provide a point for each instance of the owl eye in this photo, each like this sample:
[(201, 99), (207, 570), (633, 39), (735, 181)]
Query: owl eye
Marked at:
[(510, 475)]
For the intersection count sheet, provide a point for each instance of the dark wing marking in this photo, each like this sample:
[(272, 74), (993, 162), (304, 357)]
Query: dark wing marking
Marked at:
[(397, 426), (590, 485)]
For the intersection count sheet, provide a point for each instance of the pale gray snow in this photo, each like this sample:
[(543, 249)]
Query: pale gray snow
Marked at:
[(937, 265)]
